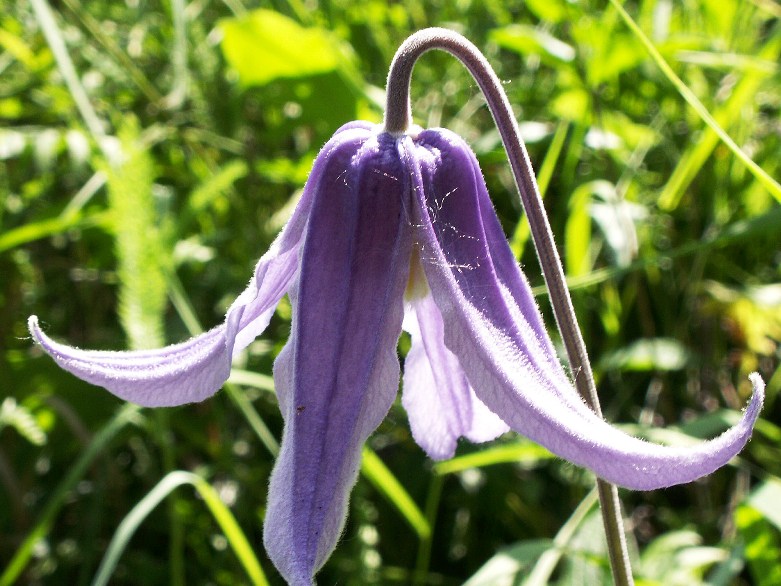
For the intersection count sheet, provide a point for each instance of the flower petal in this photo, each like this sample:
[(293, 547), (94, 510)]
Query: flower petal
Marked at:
[(182, 373), (338, 374), (435, 393), (196, 369), (250, 314), (496, 335)]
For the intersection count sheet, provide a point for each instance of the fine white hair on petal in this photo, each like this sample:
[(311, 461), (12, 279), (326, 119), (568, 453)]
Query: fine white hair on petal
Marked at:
[(494, 328)]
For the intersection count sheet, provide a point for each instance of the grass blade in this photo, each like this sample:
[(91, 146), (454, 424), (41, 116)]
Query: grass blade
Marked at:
[(376, 472), (56, 41), (523, 452), (770, 184), (127, 414), (145, 506)]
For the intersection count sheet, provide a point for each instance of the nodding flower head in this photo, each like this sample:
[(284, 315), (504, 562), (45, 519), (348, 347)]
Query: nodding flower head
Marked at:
[(394, 230), (392, 233)]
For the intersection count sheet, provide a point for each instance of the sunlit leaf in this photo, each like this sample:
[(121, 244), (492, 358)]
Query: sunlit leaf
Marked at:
[(523, 452), (551, 10), (761, 544), (264, 45), (765, 499), (679, 558), (528, 40)]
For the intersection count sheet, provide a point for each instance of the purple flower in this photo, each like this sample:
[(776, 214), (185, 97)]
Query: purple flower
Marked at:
[(393, 232)]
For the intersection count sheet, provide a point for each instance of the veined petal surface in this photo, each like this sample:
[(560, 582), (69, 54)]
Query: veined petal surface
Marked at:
[(196, 369), (338, 374), (496, 335)]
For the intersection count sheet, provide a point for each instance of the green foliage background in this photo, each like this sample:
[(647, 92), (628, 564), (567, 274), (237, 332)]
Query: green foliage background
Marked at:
[(149, 152)]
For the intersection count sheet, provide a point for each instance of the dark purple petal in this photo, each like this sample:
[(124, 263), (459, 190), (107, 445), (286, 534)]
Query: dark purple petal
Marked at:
[(194, 370), (473, 245), (441, 405), (250, 314), (338, 374), (496, 333)]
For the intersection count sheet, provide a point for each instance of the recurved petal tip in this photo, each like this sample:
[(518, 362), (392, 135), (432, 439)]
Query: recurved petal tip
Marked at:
[(670, 466), (32, 325), (755, 404), (758, 398), (174, 375), (494, 328)]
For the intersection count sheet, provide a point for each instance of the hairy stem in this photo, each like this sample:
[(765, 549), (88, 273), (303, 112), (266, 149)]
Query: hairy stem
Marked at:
[(398, 117)]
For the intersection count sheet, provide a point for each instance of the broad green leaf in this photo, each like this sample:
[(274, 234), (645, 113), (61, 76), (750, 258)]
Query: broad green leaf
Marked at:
[(571, 104), (761, 544), (551, 10), (617, 219), (285, 170), (16, 46), (725, 573), (678, 558), (632, 135), (264, 45), (616, 54), (766, 498), (585, 559), (547, 562), (754, 308)]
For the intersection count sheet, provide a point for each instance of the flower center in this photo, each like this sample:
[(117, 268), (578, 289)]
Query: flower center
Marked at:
[(417, 284)]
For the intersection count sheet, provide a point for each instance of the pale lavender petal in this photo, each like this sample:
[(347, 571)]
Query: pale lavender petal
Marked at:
[(338, 374), (435, 393), (183, 373), (196, 369), (497, 341)]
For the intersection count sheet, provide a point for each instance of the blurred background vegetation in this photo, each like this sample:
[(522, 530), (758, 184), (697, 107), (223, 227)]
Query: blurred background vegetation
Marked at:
[(150, 151)]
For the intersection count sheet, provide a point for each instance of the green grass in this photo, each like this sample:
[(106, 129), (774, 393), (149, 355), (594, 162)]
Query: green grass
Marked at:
[(654, 127)]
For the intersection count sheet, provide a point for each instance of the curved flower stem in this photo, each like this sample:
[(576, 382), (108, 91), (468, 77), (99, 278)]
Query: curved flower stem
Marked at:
[(398, 117)]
